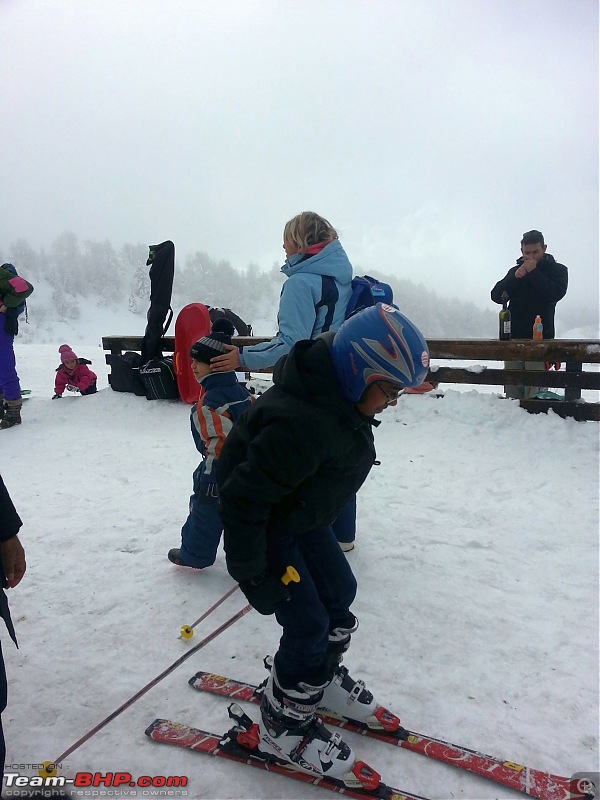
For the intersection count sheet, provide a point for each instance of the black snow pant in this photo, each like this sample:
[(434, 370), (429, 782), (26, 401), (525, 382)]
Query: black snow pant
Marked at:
[(3, 698)]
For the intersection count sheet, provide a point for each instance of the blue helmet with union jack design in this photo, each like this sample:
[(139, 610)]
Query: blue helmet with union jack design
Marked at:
[(378, 344)]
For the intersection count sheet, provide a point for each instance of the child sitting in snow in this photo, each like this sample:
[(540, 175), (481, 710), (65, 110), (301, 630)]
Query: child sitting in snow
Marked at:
[(222, 401), (73, 374)]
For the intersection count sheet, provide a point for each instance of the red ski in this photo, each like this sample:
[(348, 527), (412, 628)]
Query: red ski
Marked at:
[(533, 782), (237, 745)]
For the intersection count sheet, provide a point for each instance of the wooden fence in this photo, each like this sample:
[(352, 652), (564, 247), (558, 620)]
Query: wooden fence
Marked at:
[(575, 356)]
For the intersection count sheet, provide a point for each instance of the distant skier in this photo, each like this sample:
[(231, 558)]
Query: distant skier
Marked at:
[(287, 468), (73, 374)]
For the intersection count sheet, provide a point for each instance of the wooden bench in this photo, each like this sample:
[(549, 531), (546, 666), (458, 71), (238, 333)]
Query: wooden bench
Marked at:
[(574, 353)]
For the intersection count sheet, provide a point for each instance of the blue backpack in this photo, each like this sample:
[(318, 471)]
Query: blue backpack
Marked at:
[(366, 292)]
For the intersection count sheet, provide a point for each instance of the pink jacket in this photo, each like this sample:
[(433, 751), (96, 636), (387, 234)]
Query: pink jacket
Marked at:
[(82, 377)]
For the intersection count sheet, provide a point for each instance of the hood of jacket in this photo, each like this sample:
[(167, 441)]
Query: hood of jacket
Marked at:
[(307, 373), (217, 379), (331, 260)]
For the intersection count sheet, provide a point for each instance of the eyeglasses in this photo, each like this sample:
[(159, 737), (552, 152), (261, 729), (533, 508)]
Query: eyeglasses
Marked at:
[(390, 396)]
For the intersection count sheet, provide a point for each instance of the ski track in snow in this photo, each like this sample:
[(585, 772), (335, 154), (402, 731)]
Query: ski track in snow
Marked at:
[(476, 557)]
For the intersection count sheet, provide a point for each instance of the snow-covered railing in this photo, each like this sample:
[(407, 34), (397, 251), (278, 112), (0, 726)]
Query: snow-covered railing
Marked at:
[(574, 354)]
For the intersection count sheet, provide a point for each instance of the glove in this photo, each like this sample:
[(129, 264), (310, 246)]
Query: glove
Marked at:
[(56, 396), (208, 491), (72, 388), (11, 324), (265, 592)]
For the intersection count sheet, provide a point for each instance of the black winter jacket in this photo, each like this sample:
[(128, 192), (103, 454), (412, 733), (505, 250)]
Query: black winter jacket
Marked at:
[(538, 292), (10, 524), (293, 459)]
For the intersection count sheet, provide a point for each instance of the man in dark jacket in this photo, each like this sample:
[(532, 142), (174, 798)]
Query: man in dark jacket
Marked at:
[(13, 568), (286, 469), (533, 286)]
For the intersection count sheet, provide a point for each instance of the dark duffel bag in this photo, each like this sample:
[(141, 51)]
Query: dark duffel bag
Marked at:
[(125, 373), (158, 376)]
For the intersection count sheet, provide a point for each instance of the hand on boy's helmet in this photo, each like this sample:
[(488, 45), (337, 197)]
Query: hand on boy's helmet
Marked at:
[(265, 592), (228, 361), (56, 396)]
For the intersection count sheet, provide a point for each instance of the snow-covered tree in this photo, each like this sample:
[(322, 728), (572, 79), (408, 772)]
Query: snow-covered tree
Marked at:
[(25, 258), (64, 265), (103, 271), (139, 294)]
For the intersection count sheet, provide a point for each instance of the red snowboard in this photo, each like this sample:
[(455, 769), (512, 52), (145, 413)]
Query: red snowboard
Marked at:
[(192, 323)]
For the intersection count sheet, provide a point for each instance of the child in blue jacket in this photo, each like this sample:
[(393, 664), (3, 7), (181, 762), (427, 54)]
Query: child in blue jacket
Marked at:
[(222, 401)]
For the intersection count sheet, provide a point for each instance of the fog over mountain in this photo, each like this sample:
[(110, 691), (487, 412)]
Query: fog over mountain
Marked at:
[(86, 290), (431, 133)]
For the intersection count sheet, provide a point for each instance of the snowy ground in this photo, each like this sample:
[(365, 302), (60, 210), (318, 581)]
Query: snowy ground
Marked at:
[(477, 563)]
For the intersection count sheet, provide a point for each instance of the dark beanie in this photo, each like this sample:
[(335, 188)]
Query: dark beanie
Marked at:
[(214, 344)]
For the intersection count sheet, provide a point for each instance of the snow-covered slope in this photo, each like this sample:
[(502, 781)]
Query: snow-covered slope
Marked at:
[(476, 558)]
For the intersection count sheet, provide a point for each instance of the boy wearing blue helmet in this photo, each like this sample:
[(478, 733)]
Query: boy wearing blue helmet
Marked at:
[(287, 468)]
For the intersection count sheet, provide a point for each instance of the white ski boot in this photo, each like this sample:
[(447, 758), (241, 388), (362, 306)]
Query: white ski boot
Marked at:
[(290, 731), (345, 697)]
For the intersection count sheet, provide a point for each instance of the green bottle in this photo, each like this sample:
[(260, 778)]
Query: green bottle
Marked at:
[(504, 318)]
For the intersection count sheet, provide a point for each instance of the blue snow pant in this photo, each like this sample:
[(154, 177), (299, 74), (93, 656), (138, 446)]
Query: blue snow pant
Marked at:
[(201, 532), (10, 387), (319, 603), (344, 525)]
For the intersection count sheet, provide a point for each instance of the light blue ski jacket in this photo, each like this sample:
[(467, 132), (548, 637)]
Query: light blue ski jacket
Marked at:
[(313, 300)]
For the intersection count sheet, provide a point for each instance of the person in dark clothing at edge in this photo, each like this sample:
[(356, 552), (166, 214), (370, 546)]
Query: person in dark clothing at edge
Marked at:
[(313, 300), (534, 286), (286, 469), (13, 568)]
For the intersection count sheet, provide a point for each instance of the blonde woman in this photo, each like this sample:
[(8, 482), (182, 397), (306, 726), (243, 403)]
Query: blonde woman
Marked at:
[(313, 299)]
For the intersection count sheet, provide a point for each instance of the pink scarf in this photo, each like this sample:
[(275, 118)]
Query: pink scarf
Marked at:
[(316, 248)]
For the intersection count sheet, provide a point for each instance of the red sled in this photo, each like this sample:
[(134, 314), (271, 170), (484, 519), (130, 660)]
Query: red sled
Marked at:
[(192, 323)]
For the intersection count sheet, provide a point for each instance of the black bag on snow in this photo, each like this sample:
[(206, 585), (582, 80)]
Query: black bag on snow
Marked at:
[(125, 373), (161, 260), (158, 378), (242, 328)]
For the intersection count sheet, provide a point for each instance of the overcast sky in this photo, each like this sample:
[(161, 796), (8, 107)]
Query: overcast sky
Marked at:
[(431, 133)]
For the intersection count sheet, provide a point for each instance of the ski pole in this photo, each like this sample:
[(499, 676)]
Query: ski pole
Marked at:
[(49, 767), (187, 631)]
